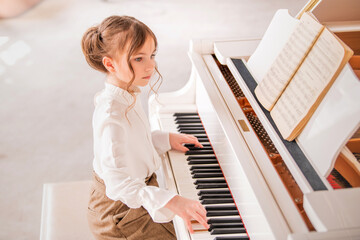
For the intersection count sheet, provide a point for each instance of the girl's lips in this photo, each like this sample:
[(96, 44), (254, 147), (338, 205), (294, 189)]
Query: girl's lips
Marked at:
[(148, 77)]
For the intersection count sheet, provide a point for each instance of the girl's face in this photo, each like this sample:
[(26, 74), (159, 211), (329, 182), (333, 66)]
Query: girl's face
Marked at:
[(143, 63)]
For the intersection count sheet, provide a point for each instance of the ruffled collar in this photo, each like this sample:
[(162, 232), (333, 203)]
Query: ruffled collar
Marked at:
[(120, 93)]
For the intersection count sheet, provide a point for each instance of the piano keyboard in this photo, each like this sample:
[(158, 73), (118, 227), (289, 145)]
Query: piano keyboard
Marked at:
[(203, 180)]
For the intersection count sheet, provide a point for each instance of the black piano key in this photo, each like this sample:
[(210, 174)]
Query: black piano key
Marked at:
[(214, 161), (222, 213), (212, 196), (216, 173), (206, 170), (198, 149), (192, 131), (190, 126), (232, 238), (182, 129), (198, 135), (186, 129), (205, 167), (190, 114), (188, 145), (224, 220), (220, 192), (202, 161), (188, 121), (226, 225), (199, 181), (202, 140), (186, 114), (181, 120), (217, 201), (220, 208), (199, 152), (207, 175), (211, 185), (218, 231), (187, 126), (187, 117), (204, 148), (201, 157)]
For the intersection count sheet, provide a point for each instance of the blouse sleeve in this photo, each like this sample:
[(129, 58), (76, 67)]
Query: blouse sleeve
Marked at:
[(116, 162), (161, 141)]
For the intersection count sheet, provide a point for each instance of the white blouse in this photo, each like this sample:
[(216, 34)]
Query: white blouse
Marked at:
[(126, 152)]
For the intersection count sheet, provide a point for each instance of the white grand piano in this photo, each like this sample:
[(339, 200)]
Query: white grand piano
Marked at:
[(254, 184)]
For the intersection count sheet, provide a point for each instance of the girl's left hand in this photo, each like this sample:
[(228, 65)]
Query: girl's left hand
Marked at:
[(178, 139)]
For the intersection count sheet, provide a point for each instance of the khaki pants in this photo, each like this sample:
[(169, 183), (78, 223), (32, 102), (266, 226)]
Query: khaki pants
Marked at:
[(110, 220)]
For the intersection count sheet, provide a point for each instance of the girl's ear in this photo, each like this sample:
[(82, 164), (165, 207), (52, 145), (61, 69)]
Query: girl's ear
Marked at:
[(108, 64)]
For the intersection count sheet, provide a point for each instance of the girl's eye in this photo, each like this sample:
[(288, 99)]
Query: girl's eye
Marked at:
[(138, 59), (153, 55)]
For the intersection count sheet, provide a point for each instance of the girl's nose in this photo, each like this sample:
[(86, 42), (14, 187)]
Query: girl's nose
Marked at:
[(150, 65)]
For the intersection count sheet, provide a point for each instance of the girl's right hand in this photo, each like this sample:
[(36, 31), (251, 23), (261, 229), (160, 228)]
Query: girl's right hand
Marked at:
[(188, 209)]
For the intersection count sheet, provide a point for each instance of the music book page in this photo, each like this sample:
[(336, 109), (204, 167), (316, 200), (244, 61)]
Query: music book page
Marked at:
[(309, 85), (276, 35), (288, 61)]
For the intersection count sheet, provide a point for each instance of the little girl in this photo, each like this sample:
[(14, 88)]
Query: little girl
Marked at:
[(125, 201)]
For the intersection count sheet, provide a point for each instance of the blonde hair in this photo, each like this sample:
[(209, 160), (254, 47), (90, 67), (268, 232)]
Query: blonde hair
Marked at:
[(110, 37)]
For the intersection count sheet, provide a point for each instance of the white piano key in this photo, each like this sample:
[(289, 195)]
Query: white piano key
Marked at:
[(207, 235)]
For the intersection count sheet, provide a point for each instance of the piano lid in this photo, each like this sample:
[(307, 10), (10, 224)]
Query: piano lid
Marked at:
[(339, 16), (328, 10)]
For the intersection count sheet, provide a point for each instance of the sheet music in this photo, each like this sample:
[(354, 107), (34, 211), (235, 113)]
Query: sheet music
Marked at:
[(281, 27), (288, 61), (308, 83)]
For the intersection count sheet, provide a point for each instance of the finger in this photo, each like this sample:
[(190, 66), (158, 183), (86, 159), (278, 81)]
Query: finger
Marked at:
[(192, 137), (202, 210), (201, 219), (182, 148), (189, 226), (198, 144), (193, 140)]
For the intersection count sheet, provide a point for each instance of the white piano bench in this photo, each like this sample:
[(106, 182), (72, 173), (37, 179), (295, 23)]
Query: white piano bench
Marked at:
[(64, 209)]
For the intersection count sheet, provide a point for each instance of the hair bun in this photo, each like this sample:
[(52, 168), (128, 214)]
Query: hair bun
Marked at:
[(98, 33)]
